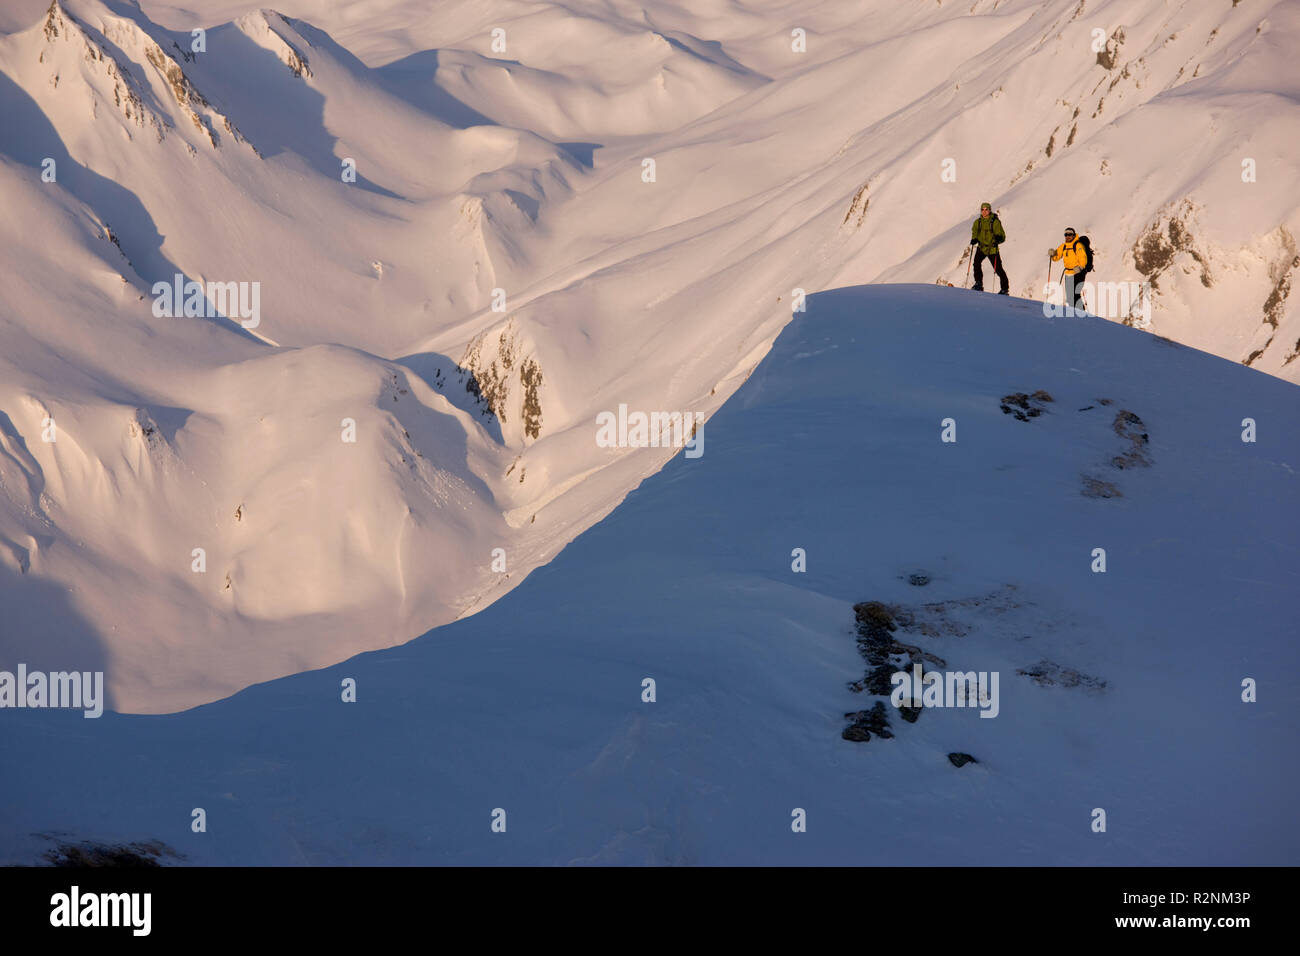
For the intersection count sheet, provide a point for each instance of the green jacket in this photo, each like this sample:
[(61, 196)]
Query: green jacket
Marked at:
[(988, 233)]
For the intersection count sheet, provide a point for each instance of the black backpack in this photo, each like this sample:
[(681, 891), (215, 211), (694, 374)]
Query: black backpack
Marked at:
[(1087, 251)]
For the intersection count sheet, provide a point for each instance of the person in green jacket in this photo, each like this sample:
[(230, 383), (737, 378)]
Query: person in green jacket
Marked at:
[(986, 233)]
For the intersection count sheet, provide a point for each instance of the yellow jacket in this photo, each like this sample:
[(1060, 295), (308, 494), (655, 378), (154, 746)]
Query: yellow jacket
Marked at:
[(1073, 254)]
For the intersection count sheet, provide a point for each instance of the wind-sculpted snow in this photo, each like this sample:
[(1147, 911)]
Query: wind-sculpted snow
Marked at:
[(459, 236), (1120, 689)]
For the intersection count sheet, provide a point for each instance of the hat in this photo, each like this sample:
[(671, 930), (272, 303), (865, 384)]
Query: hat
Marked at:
[(986, 205), (1070, 230)]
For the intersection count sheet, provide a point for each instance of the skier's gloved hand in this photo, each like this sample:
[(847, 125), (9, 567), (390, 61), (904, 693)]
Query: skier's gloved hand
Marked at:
[(1052, 252), (974, 241)]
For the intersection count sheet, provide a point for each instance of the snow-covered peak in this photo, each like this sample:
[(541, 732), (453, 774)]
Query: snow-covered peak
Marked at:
[(275, 32), (102, 56), (474, 233), (696, 667)]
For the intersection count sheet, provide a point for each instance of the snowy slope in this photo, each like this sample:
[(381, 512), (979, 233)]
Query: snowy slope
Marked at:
[(833, 446), (521, 170)]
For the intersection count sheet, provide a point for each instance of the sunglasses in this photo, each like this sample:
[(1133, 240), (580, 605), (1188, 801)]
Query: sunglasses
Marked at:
[(1069, 235)]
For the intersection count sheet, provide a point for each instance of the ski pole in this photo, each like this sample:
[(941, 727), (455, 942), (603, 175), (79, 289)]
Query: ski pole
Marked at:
[(969, 257)]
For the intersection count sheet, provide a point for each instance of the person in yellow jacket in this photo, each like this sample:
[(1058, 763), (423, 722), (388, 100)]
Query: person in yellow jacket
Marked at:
[(1076, 256)]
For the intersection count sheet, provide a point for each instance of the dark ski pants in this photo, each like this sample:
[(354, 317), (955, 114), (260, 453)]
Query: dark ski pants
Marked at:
[(1074, 287), (997, 268)]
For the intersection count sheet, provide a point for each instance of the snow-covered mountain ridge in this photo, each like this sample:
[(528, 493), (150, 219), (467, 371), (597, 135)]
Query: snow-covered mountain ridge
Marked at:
[(504, 267), (1120, 690)]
